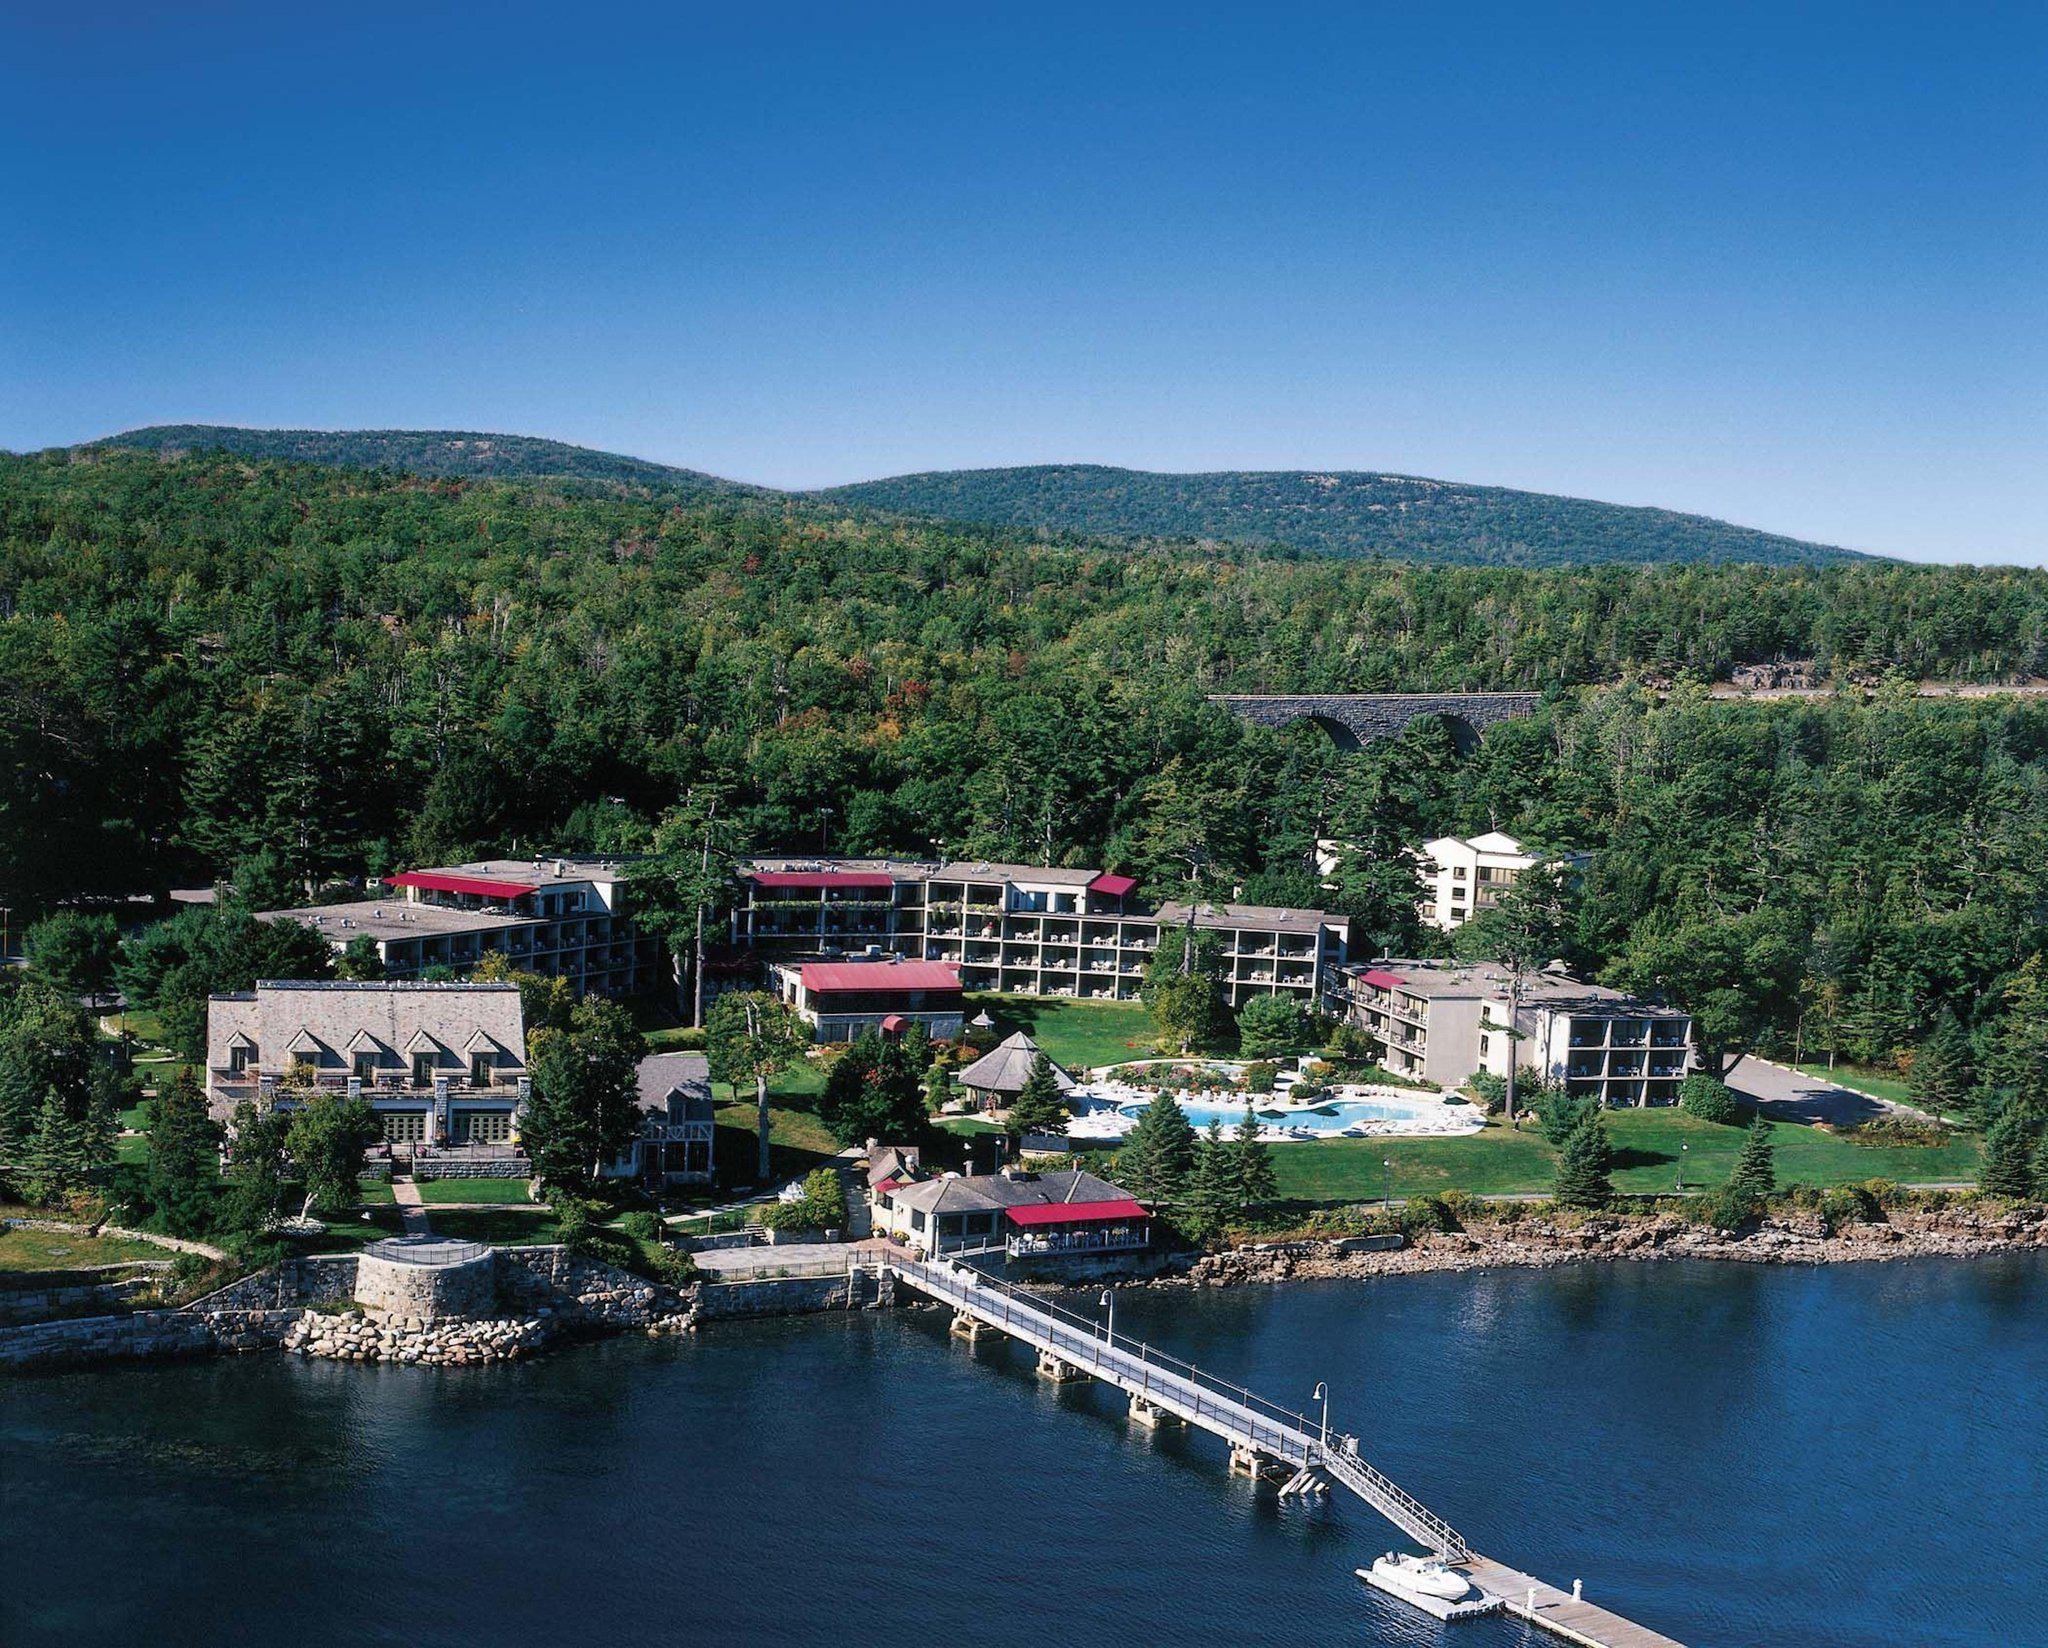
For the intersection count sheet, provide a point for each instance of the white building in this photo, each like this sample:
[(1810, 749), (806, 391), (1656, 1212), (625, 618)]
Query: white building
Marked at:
[(565, 917), (1441, 1021), (1463, 876)]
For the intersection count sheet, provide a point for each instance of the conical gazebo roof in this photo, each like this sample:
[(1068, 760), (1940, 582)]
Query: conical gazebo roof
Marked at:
[(1006, 1067)]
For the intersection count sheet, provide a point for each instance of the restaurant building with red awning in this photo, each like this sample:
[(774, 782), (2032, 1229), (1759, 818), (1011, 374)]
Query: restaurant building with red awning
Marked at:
[(1067, 1212)]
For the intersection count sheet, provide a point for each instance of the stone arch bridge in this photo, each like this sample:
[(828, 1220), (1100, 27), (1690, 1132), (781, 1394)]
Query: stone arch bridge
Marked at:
[(1355, 719)]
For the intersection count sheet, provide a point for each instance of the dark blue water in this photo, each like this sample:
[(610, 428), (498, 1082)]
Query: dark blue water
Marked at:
[(1856, 1455)]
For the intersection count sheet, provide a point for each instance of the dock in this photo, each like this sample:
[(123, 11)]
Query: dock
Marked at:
[(1266, 1440)]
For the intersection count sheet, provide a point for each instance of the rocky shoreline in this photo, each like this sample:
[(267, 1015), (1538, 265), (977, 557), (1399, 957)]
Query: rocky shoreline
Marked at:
[(1788, 1238)]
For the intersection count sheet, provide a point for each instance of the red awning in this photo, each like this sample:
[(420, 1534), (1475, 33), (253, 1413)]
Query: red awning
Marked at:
[(818, 880), (879, 975), (1384, 979), (1077, 1213), (1112, 886), (894, 1024), (434, 881)]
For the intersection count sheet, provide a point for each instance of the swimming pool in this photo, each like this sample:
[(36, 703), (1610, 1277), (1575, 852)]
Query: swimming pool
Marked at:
[(1331, 1117)]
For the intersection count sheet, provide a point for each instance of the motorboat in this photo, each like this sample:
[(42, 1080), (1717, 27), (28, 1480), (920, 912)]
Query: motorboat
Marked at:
[(1424, 1576)]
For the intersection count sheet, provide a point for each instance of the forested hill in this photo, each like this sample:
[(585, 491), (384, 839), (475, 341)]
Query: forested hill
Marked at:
[(1341, 514), (1332, 513), (433, 452)]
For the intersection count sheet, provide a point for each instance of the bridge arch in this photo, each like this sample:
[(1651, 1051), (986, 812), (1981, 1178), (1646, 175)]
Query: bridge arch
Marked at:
[(1355, 719)]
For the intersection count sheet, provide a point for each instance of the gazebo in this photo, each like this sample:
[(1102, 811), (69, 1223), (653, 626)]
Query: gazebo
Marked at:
[(999, 1075)]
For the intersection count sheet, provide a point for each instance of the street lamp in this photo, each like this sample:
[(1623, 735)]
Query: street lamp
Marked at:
[(1322, 1394), (1387, 1182), (1682, 1149), (1109, 1299), (824, 824)]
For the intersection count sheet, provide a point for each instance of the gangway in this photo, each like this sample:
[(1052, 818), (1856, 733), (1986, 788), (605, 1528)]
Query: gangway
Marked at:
[(1262, 1435)]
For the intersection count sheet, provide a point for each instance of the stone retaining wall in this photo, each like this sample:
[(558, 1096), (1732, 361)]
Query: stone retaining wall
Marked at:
[(792, 1296), (176, 1244), (141, 1335), (325, 1279), (19, 1305), (569, 1287), (468, 1288)]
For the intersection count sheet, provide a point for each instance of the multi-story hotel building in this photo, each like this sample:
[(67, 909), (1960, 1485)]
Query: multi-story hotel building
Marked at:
[(1441, 1021), (1464, 876), (1020, 929), (562, 917)]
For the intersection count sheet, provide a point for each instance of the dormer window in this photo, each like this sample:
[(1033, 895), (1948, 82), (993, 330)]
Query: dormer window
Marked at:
[(480, 1070), (364, 1066), (241, 1058), (423, 1070)]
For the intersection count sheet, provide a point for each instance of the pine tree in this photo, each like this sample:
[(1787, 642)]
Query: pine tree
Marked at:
[(1159, 1153), (2008, 1167), (1944, 1068), (939, 1088), (1212, 1187), (1582, 1165), (1038, 1108), (1755, 1178), (184, 1156), (1252, 1161)]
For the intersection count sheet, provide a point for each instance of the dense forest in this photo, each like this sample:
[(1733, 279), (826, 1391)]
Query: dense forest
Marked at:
[(1400, 517), (448, 452), (289, 675), (1394, 517)]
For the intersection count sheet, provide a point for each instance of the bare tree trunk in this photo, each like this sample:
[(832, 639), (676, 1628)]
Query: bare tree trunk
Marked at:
[(761, 1112)]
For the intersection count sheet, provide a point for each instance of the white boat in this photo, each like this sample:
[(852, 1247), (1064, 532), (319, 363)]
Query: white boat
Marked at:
[(1422, 1576)]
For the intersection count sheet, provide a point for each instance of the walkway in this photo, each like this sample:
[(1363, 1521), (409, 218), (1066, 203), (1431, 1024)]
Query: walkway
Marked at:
[(412, 1212), (1259, 1432)]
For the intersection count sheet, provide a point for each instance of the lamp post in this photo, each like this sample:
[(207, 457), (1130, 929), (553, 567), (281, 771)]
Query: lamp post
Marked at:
[(824, 825), (1109, 1299), (1682, 1149), (1386, 1182), (1322, 1394)]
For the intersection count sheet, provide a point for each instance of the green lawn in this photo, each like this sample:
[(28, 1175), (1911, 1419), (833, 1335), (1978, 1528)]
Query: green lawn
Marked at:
[(1647, 1144), (505, 1191), (1860, 1079), (374, 1192), (33, 1250), (503, 1227), (1079, 1034)]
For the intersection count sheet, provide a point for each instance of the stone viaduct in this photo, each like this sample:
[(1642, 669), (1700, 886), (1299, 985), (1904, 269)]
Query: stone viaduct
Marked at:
[(1354, 719)]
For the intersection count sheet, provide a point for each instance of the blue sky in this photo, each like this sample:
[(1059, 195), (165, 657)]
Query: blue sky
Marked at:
[(1782, 264)]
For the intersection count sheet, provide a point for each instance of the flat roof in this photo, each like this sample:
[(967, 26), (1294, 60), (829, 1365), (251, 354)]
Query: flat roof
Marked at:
[(389, 918), (1042, 874), (1260, 916), (1453, 980)]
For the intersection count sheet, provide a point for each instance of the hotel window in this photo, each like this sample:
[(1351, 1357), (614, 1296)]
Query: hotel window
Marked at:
[(480, 1069), (1483, 1041), (423, 1070), (365, 1067), (405, 1126), (239, 1059), (490, 1127)]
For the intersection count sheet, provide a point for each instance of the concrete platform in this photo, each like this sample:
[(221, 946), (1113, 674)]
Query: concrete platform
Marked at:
[(1435, 1607)]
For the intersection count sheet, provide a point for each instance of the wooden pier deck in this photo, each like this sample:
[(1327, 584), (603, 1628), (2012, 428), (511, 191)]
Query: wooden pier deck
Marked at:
[(1256, 1429)]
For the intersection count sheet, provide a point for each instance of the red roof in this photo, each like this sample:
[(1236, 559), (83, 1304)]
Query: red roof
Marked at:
[(1384, 979), (887, 1185), (817, 880), (434, 881), (828, 976), (1077, 1213), (1112, 886)]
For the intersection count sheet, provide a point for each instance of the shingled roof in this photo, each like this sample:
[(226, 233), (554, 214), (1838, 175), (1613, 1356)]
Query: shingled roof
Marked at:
[(1005, 1068)]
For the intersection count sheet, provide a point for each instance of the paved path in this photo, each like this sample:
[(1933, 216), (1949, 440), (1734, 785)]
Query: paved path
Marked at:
[(1792, 1095), (410, 1208)]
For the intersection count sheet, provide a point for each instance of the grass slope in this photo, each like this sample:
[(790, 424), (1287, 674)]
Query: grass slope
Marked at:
[(1341, 513)]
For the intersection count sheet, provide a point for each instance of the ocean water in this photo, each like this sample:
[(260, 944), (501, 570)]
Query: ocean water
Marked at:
[(1855, 1455)]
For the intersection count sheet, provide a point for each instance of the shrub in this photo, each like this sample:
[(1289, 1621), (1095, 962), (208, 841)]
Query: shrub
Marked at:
[(642, 1227), (789, 1216), (1711, 1100), (1886, 1192), (1258, 1078), (1427, 1213), (1725, 1209), (1849, 1205)]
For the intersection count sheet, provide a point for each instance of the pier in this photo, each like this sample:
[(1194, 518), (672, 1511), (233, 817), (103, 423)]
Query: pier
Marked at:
[(1265, 1439)]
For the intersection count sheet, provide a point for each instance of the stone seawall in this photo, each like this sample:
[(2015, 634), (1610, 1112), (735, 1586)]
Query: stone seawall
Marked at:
[(141, 1335), (327, 1279), (23, 1305), (427, 1341), (792, 1296), (553, 1281)]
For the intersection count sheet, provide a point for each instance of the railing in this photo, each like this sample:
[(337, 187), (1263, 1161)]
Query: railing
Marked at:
[(1218, 1405)]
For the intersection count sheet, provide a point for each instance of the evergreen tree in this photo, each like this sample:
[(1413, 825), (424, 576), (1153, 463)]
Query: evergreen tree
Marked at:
[(1944, 1068), (57, 1155), (940, 1089), (1212, 1187), (2008, 1166), (1269, 1025), (1583, 1162), (1039, 1107), (1754, 1178), (256, 1169), (1158, 1153), (184, 1156), (74, 953), (1562, 1112), (2014, 1074), (1253, 1163), (584, 1110), (360, 961)]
